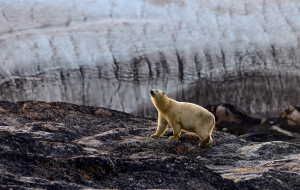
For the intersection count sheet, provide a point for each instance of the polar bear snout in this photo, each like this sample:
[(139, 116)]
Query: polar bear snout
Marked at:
[(152, 92), (155, 92)]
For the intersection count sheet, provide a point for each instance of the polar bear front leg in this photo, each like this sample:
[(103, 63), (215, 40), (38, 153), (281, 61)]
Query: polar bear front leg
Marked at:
[(176, 131), (161, 126)]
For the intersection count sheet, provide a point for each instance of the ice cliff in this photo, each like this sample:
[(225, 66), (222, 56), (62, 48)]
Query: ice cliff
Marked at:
[(110, 52)]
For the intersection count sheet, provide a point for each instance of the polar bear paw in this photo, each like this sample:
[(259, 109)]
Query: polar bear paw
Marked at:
[(155, 136), (173, 138)]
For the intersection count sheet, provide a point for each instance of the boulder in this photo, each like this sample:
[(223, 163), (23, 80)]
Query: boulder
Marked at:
[(288, 123)]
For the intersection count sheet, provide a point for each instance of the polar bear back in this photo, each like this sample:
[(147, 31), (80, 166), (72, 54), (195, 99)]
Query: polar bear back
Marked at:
[(190, 116)]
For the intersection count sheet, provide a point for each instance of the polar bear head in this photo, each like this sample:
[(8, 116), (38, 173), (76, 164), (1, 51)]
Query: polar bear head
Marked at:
[(157, 94)]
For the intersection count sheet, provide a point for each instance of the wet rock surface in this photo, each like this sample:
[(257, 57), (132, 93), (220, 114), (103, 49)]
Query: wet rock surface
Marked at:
[(66, 146)]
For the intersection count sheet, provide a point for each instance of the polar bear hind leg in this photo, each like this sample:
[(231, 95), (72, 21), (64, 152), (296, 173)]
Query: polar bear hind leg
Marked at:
[(205, 137), (207, 142)]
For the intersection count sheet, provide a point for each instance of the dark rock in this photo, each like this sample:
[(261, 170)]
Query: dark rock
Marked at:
[(233, 119), (231, 114), (266, 137), (292, 113), (272, 180), (66, 146), (288, 123)]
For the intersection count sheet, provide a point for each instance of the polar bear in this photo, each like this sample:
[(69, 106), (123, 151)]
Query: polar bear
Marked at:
[(182, 116)]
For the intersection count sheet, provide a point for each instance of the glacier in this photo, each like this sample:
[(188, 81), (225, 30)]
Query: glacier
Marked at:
[(110, 53)]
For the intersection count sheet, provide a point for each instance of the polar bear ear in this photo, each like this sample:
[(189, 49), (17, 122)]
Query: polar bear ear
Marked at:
[(164, 93)]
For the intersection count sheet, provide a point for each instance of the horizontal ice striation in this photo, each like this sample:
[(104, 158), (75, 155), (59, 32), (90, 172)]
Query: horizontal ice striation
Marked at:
[(111, 52)]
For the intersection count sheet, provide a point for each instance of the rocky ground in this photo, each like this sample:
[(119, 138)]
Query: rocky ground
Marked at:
[(66, 146)]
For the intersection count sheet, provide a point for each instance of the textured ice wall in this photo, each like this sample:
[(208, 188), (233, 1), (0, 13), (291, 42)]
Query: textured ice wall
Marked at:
[(111, 52)]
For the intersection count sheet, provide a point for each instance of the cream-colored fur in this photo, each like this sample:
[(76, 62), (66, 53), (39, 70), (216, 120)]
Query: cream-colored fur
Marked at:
[(182, 116)]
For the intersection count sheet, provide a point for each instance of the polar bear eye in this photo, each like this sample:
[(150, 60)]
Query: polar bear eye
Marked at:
[(156, 90)]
